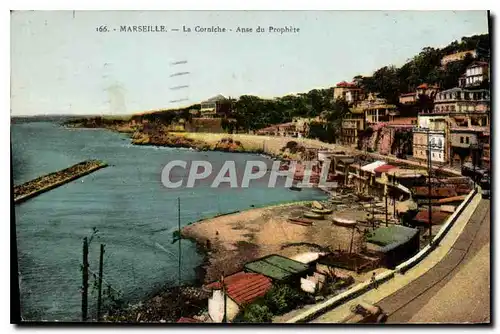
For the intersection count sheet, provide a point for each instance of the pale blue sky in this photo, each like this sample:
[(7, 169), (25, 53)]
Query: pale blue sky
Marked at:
[(60, 64)]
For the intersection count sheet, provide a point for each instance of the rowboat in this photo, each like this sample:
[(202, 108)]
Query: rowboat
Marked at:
[(300, 221), (313, 215), (322, 211), (344, 222)]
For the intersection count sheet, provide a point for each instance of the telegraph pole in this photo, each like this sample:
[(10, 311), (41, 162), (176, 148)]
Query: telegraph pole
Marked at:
[(99, 287), (429, 171), (386, 209), (179, 226), (224, 318), (85, 279)]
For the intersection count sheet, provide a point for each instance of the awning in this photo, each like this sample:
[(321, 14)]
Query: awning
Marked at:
[(384, 168), (371, 166), (407, 173)]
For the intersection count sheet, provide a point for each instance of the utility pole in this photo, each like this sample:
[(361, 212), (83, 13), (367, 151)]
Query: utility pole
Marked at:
[(85, 279), (224, 317), (386, 210), (352, 240), (99, 286), (429, 171), (179, 226)]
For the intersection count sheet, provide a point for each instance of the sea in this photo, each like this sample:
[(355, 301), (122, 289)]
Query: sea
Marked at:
[(134, 215)]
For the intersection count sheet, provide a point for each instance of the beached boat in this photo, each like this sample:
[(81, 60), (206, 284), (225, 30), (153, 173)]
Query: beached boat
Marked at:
[(300, 221), (313, 215), (316, 205), (322, 211), (344, 222)]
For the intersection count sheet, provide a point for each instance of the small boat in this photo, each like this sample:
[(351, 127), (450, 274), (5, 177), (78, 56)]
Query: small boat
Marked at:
[(317, 205), (313, 215), (322, 211), (300, 221), (295, 188), (344, 222)]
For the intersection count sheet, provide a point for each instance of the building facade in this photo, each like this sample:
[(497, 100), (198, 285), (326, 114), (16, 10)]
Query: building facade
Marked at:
[(217, 106), (350, 92), (475, 74)]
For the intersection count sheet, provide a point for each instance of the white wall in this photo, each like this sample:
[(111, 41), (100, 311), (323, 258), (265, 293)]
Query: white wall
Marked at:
[(438, 151), (216, 307)]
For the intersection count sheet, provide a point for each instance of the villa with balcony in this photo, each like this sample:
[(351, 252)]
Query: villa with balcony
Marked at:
[(475, 74), (348, 91)]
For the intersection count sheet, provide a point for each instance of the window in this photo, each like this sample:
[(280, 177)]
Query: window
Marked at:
[(439, 155), (466, 140), (461, 140)]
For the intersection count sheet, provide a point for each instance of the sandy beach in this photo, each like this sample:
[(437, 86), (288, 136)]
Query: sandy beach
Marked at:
[(238, 238)]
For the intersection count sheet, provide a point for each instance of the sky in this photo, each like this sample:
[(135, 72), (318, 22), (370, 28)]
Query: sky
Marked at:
[(61, 64)]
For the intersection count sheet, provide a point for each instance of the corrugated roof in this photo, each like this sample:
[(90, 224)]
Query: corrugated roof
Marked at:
[(384, 168), (435, 192), (276, 267), (438, 217), (244, 287), (451, 199), (371, 166), (391, 235), (408, 173)]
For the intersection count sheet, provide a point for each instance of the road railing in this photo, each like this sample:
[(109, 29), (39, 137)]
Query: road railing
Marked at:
[(387, 275)]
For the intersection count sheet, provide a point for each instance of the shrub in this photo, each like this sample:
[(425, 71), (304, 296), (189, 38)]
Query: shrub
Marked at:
[(282, 298), (256, 313)]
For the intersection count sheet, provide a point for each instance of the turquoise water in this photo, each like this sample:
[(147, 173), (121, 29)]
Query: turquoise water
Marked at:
[(134, 213)]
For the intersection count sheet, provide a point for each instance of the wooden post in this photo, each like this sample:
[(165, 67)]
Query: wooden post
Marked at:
[(430, 184), (352, 240), (99, 284), (224, 318), (386, 210), (179, 226), (85, 279)]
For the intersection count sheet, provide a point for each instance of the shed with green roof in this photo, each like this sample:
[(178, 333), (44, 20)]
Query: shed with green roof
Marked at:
[(395, 243), (278, 268)]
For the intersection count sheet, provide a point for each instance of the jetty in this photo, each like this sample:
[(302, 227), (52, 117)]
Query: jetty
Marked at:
[(50, 181)]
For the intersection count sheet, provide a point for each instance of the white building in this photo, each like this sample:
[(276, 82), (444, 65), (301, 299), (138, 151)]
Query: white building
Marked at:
[(475, 74)]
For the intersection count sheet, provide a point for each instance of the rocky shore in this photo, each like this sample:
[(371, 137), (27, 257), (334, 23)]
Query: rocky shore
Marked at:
[(166, 306)]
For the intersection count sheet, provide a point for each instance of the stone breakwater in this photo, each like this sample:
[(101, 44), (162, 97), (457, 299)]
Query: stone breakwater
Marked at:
[(50, 181)]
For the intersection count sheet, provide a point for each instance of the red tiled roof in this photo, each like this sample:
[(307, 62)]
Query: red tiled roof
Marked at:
[(438, 217), (187, 320), (384, 168), (423, 86), (244, 287), (346, 84)]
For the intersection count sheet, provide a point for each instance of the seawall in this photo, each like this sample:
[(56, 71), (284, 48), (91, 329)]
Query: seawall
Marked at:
[(50, 181)]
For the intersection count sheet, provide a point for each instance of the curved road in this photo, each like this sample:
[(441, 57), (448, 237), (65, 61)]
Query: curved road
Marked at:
[(457, 289)]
